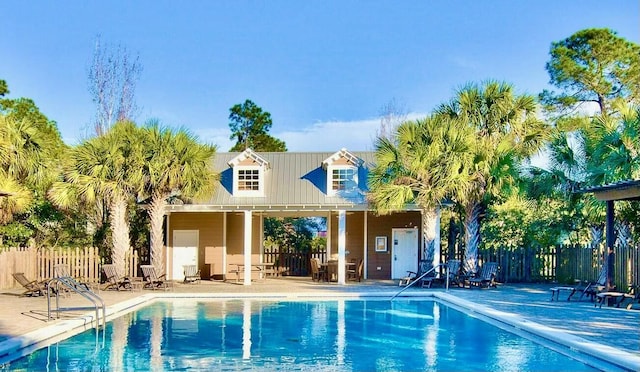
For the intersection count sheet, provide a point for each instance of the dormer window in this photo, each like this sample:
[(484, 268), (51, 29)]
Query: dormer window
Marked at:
[(342, 172), (248, 174), (342, 177), (249, 180)]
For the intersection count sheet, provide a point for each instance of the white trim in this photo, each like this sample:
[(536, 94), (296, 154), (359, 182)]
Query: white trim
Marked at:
[(349, 182), (224, 246), (249, 154), (365, 258), (236, 181), (342, 244), (247, 247)]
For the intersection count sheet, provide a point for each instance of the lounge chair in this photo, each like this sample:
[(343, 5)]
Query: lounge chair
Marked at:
[(151, 278), (191, 274), (585, 288), (32, 287), (486, 277), (357, 272), (114, 280), (423, 267), (62, 271), (453, 267), (317, 272), (617, 298)]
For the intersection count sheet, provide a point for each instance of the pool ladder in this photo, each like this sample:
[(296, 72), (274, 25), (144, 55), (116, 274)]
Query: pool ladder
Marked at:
[(416, 280), (56, 286)]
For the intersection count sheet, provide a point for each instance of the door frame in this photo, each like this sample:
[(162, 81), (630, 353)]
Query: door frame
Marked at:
[(173, 249), (416, 252)]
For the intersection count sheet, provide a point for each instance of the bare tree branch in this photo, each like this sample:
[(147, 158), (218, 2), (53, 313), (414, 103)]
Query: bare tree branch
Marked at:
[(113, 75)]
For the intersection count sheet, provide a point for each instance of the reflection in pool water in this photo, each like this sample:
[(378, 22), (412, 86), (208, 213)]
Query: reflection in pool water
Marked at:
[(402, 335)]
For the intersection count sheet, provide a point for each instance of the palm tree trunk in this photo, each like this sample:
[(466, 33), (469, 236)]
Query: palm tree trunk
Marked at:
[(119, 233), (623, 234), (429, 234), (472, 237), (156, 217), (597, 236)]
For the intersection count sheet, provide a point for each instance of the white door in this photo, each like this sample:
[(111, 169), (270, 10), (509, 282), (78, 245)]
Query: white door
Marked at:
[(404, 252), (185, 252)]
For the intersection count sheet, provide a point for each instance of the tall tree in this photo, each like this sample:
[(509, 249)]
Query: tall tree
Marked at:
[(4, 88), (592, 66), (392, 115), (113, 76), (175, 165), (109, 167), (506, 130), (423, 165), (250, 126), (31, 154)]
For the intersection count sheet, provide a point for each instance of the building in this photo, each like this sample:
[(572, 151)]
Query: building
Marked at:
[(226, 229)]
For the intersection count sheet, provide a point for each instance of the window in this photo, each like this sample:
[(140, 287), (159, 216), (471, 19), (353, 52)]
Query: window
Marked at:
[(341, 178), (248, 180)]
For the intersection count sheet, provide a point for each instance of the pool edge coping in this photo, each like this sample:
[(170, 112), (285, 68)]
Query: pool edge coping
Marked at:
[(19, 346)]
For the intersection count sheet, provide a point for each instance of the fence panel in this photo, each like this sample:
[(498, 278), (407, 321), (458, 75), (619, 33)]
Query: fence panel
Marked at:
[(292, 263), (84, 263), (563, 264)]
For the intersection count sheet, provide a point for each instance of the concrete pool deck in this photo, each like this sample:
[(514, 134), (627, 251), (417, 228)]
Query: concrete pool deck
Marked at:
[(615, 329)]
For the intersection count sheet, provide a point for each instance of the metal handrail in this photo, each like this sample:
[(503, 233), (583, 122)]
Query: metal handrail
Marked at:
[(83, 290), (422, 276)]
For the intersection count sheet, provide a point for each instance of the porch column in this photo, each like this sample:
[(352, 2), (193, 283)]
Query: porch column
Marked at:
[(436, 240), (247, 247), (611, 240), (342, 242)]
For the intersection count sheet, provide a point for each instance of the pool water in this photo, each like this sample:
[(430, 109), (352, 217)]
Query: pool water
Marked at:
[(328, 335)]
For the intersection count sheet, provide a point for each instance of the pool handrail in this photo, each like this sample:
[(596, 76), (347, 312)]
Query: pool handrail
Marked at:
[(422, 276), (55, 285)]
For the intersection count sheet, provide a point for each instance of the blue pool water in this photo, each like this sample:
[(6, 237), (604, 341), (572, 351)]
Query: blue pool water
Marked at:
[(363, 335)]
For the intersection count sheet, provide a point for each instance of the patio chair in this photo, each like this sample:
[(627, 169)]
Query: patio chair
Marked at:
[(191, 274), (585, 288), (317, 272), (453, 267), (114, 280), (423, 267), (616, 298), (485, 277), (32, 287), (356, 272), (151, 278)]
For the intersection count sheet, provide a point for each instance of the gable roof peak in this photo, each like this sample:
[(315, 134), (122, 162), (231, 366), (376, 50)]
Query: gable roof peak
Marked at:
[(342, 154), (249, 154)]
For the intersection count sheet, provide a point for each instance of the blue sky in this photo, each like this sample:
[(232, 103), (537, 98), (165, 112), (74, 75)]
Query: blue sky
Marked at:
[(323, 69)]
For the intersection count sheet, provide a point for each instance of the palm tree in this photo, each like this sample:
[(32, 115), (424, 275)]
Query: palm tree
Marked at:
[(109, 167), (506, 131), (27, 163), (421, 165), (175, 164)]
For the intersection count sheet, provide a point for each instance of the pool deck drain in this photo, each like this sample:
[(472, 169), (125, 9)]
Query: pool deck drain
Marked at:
[(609, 333)]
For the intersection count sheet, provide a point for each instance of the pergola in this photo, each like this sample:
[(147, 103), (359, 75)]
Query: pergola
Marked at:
[(624, 190)]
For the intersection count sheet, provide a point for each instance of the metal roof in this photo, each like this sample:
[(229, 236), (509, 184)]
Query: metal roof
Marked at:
[(294, 181), (623, 190)]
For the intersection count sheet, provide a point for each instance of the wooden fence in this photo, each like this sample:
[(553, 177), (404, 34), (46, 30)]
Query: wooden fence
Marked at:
[(37, 264), (291, 262), (563, 264)]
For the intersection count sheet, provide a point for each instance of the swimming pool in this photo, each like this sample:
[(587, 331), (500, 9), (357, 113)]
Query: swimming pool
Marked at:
[(400, 335)]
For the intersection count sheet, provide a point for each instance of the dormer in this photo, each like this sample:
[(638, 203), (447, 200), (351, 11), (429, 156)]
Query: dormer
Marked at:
[(248, 174), (342, 172)]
